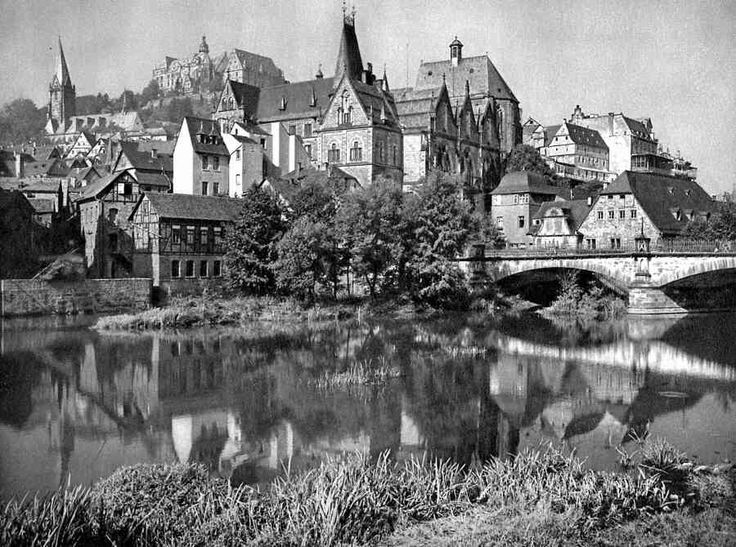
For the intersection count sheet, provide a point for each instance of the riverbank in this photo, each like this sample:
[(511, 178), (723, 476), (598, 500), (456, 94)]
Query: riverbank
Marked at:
[(540, 497)]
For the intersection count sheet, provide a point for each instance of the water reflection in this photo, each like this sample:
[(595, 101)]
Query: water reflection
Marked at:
[(75, 405)]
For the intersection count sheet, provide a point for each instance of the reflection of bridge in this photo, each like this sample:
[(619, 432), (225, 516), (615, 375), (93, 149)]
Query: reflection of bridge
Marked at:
[(650, 278)]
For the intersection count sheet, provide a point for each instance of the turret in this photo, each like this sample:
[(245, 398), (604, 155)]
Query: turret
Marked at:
[(203, 47), (456, 51)]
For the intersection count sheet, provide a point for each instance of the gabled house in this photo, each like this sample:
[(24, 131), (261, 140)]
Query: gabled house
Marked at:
[(150, 167), (201, 159), (556, 224), (104, 208), (656, 205), (515, 202), (179, 239)]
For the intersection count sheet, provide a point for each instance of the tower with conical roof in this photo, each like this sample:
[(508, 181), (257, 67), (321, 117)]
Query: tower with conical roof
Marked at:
[(349, 60), (62, 94)]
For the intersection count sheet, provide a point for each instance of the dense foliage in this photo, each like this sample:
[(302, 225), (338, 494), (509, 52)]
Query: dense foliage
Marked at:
[(720, 226), (21, 121), (526, 158), (251, 243)]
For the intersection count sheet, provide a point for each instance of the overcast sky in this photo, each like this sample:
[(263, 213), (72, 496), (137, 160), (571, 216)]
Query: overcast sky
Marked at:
[(673, 61)]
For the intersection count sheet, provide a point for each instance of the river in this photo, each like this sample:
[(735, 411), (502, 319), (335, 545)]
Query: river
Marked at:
[(76, 404)]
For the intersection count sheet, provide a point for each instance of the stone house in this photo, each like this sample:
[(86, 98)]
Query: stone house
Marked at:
[(515, 202), (557, 223), (104, 208), (201, 159), (179, 240), (656, 205), (582, 148)]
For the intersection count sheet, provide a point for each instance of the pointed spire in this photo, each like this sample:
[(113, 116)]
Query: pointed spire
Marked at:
[(384, 80), (62, 71), (319, 74), (349, 60)]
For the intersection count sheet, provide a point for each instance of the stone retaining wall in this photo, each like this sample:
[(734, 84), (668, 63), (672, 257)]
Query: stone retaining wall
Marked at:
[(37, 297)]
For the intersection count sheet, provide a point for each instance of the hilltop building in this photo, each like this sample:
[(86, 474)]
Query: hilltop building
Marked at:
[(196, 74), (461, 116), (348, 121)]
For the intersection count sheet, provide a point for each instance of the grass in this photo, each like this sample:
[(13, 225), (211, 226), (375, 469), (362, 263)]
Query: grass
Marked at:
[(541, 497), (359, 373)]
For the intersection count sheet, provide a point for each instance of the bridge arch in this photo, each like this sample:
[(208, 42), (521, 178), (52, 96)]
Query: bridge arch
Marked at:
[(672, 272)]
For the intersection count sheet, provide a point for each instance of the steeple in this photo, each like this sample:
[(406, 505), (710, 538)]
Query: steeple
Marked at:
[(203, 47), (456, 51), (349, 61), (62, 71), (384, 80)]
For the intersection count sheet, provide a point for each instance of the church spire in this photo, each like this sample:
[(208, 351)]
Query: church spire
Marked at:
[(62, 71), (349, 61)]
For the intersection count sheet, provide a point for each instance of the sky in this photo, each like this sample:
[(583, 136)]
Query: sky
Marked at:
[(671, 61)]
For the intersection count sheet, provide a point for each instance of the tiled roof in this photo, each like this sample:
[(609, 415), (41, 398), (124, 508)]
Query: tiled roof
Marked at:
[(662, 197), (549, 132), (94, 189), (42, 206), (140, 159), (583, 135), (210, 128), (162, 148), (42, 186), (247, 58), (635, 126), (246, 97), (483, 76), (187, 207), (525, 181), (147, 178), (298, 98), (335, 178), (349, 60)]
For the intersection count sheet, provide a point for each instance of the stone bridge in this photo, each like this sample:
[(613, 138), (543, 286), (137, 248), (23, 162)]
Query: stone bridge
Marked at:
[(655, 282)]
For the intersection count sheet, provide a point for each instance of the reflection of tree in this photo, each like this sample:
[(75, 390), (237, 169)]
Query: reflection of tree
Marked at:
[(20, 372)]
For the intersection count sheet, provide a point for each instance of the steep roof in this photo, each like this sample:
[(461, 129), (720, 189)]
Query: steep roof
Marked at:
[(583, 135), (95, 188), (662, 197), (575, 211), (247, 58), (298, 99), (479, 71), (549, 132), (159, 180), (525, 181), (145, 161), (62, 71), (209, 128), (246, 97), (187, 207), (349, 60)]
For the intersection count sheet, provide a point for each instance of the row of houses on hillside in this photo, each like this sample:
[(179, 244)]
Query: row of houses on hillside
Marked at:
[(531, 213)]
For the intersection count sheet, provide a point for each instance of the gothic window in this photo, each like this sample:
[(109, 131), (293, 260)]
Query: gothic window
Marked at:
[(499, 123), (356, 152), (346, 110), (395, 155), (333, 154), (307, 129), (231, 103)]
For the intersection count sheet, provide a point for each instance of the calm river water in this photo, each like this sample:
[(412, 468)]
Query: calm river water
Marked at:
[(76, 404)]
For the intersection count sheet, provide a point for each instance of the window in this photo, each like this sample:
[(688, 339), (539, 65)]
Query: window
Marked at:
[(175, 234), (190, 235), (203, 231), (590, 243), (112, 215), (600, 215), (615, 243), (395, 155), (308, 150), (237, 154), (521, 221), (633, 213), (622, 214), (215, 188), (292, 130), (380, 152), (205, 162), (216, 163), (190, 268), (218, 237), (333, 154), (516, 199), (175, 268), (356, 152), (346, 117), (307, 129), (237, 179), (202, 268), (611, 214), (204, 187), (216, 268)]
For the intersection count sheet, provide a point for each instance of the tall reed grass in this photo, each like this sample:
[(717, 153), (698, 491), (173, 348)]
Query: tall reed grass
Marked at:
[(347, 500)]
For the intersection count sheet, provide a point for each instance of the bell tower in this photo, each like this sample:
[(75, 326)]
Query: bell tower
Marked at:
[(62, 94)]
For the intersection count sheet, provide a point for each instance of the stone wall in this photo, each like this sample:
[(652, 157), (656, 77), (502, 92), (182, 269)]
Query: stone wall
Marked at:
[(36, 297)]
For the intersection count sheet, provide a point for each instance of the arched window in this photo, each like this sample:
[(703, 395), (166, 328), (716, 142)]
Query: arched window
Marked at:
[(356, 152), (333, 154), (499, 124)]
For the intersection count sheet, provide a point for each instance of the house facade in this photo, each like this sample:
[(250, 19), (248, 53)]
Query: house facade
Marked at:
[(657, 206), (557, 224), (201, 159), (179, 240), (516, 201)]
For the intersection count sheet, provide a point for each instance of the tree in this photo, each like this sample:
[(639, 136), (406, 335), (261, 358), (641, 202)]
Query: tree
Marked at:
[(251, 243), (437, 224), (150, 92), (720, 226), (526, 158), (304, 258), (129, 99), (367, 224), (21, 121), (177, 109)]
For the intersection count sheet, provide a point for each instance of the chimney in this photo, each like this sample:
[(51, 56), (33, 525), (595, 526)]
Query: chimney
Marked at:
[(19, 165)]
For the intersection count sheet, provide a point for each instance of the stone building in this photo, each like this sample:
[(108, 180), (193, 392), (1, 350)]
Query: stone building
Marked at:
[(201, 159), (656, 205), (200, 72), (516, 201), (461, 116), (349, 120), (576, 152)]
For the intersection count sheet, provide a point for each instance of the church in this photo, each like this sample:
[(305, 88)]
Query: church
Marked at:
[(347, 121)]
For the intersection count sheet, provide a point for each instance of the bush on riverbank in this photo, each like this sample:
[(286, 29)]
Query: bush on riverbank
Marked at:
[(590, 303), (351, 500)]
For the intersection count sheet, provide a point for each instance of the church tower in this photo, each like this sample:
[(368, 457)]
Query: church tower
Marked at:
[(62, 94)]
